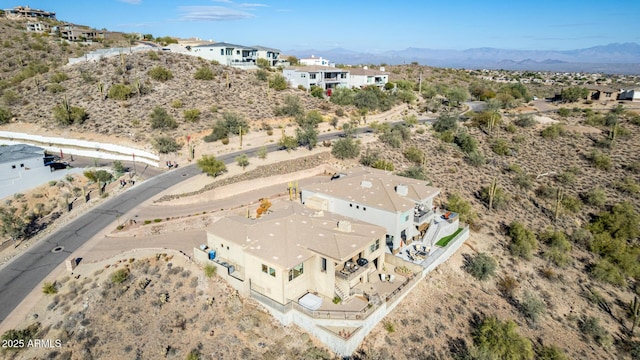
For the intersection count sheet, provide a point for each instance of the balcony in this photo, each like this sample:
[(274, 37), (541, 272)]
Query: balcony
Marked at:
[(349, 272), (420, 217)]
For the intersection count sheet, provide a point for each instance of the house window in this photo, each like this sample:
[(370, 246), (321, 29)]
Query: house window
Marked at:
[(350, 205), (406, 218), (303, 75), (312, 76), (357, 206), (21, 165), (268, 270), (364, 208), (375, 246), (221, 51), (13, 166), (296, 271), (323, 264), (237, 52)]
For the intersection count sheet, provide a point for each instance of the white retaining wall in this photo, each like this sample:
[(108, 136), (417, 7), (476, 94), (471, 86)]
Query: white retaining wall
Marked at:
[(80, 147)]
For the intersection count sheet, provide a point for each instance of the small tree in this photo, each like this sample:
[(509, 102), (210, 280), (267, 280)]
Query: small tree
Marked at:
[(523, 240), (307, 136), (160, 73), (166, 144), (204, 73), (414, 155), (345, 148), (120, 92), (481, 266), (288, 142), (278, 82), (501, 341), (5, 115), (211, 166), (160, 119), (445, 122), (242, 160), (49, 288)]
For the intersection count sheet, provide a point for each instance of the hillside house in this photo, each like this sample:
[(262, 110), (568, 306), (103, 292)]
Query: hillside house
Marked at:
[(73, 32), (38, 27), (272, 55), (315, 75), (25, 12), (227, 54), (315, 61), (361, 77), (602, 93), (402, 205)]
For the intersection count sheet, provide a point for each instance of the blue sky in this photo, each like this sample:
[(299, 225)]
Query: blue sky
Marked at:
[(372, 26)]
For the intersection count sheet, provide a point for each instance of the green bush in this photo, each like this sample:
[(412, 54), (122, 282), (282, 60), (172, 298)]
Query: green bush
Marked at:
[(564, 112), (553, 131), (475, 158), (532, 307), (292, 107), (204, 73), (466, 142), (5, 115), (603, 270), (445, 122), (58, 77), (16, 337), (166, 144), (590, 326), (160, 73), (500, 199), (67, 115), (278, 82), (383, 165), (345, 148), (600, 160), (550, 353), (481, 266), (526, 120), (523, 240), (289, 143), (230, 124), (119, 276), (211, 166), (191, 115), (120, 92), (414, 155), (500, 147), (55, 88), (414, 172), (572, 203), (457, 204), (49, 288), (558, 247), (210, 270), (500, 340), (342, 96), (317, 91), (160, 119)]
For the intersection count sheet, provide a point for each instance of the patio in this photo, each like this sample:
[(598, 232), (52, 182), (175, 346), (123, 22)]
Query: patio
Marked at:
[(377, 289)]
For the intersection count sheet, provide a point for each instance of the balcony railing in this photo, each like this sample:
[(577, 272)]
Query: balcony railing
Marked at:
[(422, 216), (349, 274)]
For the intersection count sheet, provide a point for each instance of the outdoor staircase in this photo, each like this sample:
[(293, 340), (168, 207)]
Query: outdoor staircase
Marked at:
[(432, 232), (341, 291)]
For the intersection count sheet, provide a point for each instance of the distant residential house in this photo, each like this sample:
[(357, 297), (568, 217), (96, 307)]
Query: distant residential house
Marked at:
[(315, 61), (19, 12), (226, 54), (323, 76), (602, 93), (402, 205), (631, 95), (292, 251), (38, 27), (73, 32), (361, 77), (20, 161), (270, 54)]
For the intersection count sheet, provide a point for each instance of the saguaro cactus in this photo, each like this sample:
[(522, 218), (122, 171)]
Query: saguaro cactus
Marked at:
[(559, 198), (492, 192)]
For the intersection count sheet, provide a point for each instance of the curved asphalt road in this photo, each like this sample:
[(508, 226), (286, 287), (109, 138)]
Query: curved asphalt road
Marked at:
[(23, 273)]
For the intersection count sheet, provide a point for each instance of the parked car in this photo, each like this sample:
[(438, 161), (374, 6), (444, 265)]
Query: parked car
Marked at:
[(57, 165)]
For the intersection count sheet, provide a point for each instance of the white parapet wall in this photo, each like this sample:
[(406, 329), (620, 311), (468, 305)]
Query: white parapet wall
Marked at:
[(86, 148)]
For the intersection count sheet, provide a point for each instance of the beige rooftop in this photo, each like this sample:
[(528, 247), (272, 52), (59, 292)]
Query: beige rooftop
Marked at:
[(291, 234), (377, 189)]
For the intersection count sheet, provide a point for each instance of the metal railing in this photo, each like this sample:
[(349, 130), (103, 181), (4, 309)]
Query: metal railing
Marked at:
[(348, 275), (403, 288), (336, 314)]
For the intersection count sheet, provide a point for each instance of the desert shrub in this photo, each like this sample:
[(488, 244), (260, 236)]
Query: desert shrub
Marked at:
[(58, 77), (160, 73), (566, 177), (210, 270), (510, 128), (342, 96), (166, 144), (55, 88), (262, 75), (553, 131), (558, 247), (177, 104), (414, 155), (311, 118), (532, 307), (345, 148), (191, 115), (564, 112), (307, 136), (445, 122), (603, 270), (119, 276), (500, 147), (369, 157), (523, 240), (383, 165), (66, 115), (457, 204), (14, 336), (627, 186), (49, 288), (546, 192), (278, 82), (590, 326), (507, 286), (230, 124), (500, 340), (481, 266), (475, 158), (523, 181), (292, 107), (582, 237), (211, 166), (500, 199), (600, 161), (317, 91), (120, 92), (160, 119), (204, 73), (388, 325), (288, 142), (10, 97), (550, 353), (414, 172), (525, 120), (572, 203), (394, 136), (466, 142)]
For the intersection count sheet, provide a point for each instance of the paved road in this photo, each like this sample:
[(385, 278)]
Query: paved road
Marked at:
[(22, 274)]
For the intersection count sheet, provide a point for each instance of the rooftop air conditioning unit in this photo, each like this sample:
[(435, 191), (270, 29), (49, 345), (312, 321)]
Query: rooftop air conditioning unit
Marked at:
[(402, 190), (344, 226), (366, 184)]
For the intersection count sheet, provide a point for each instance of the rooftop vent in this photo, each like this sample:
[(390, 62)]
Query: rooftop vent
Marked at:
[(381, 68), (366, 184), (344, 226), (402, 189)]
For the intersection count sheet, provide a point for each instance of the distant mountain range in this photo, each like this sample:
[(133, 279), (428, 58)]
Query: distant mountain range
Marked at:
[(614, 58)]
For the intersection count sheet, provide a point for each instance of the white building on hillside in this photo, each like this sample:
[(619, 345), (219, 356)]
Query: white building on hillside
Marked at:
[(20, 165), (404, 206), (361, 77), (316, 61), (314, 75), (226, 54)]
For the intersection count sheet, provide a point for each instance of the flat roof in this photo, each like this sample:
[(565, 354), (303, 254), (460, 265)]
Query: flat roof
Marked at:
[(377, 189), (19, 152), (290, 234), (315, 68)]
